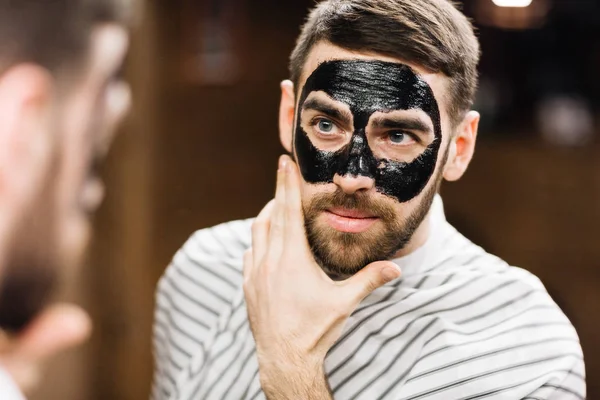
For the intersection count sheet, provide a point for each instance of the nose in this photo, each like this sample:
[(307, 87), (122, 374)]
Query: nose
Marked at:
[(351, 184)]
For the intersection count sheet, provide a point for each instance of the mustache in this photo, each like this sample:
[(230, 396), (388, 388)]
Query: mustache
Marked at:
[(360, 201)]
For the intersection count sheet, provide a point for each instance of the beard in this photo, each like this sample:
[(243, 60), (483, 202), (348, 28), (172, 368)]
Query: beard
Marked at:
[(343, 254), (32, 262)]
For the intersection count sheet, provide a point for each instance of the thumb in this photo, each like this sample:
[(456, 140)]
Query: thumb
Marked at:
[(372, 277), (57, 328)]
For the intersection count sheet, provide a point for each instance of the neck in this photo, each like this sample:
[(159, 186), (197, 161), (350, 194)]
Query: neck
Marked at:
[(418, 238)]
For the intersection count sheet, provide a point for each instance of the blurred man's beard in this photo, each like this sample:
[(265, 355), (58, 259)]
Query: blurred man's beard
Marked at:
[(342, 254), (32, 263)]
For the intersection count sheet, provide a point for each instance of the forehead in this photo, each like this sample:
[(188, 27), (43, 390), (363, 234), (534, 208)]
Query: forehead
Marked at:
[(324, 51), (369, 86)]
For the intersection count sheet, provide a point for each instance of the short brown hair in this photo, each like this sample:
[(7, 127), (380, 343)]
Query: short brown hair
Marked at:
[(430, 33), (53, 33)]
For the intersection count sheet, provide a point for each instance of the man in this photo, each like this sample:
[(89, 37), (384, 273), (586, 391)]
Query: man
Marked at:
[(307, 301), (61, 97)]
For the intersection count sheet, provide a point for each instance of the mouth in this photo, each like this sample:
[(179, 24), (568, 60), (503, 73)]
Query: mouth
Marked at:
[(349, 220)]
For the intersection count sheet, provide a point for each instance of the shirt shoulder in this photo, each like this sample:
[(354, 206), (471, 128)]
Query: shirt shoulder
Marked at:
[(466, 326), (197, 287), (474, 288), (496, 333)]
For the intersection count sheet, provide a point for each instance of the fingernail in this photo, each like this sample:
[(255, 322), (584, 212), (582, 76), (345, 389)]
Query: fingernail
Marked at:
[(282, 163), (288, 166), (390, 273)]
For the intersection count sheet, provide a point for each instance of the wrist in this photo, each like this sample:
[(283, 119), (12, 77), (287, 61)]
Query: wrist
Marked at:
[(287, 379)]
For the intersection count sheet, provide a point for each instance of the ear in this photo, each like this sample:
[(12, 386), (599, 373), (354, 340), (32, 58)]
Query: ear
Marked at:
[(462, 147), (286, 114), (25, 140)]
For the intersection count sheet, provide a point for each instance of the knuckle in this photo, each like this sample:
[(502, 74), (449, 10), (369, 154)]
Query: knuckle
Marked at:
[(268, 265), (370, 286), (277, 227), (341, 310)]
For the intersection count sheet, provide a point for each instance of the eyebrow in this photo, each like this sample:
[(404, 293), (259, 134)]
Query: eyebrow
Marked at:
[(327, 109), (403, 123)]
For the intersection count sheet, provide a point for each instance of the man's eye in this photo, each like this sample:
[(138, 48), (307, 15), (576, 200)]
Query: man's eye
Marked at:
[(325, 126), (399, 137)]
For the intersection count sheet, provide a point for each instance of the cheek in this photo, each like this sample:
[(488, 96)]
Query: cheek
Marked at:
[(75, 162), (75, 165), (74, 224), (412, 211), (74, 151), (310, 191)]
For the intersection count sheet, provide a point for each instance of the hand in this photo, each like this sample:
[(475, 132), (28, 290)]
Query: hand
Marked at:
[(56, 329), (296, 311)]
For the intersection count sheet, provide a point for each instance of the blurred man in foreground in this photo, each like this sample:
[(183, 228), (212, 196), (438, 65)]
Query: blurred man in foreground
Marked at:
[(61, 97), (306, 301)]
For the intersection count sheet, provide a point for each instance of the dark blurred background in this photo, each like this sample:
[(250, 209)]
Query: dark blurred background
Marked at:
[(202, 144)]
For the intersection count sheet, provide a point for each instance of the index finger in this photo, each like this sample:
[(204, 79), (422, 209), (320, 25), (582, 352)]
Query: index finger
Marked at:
[(278, 222), (293, 202), (260, 232), (58, 328)]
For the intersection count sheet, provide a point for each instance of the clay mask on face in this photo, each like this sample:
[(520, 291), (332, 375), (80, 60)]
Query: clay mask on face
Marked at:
[(367, 87)]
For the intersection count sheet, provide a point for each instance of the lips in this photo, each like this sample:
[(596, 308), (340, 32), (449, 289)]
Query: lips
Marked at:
[(351, 213), (349, 220)]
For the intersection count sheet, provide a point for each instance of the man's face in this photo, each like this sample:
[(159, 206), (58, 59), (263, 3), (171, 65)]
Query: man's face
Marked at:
[(93, 112), (54, 233), (369, 138)]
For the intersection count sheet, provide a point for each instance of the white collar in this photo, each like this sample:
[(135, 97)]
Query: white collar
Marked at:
[(429, 252)]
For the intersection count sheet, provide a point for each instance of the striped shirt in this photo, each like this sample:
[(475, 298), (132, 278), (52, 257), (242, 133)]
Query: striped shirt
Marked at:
[(459, 324)]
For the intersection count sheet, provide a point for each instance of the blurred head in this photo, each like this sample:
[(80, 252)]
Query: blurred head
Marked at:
[(377, 114), (61, 97)]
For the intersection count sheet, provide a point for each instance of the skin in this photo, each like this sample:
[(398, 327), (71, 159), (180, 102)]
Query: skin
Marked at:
[(61, 126), (285, 288)]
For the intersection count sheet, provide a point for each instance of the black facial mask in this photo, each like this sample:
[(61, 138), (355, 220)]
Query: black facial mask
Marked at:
[(368, 87)]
